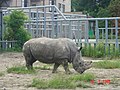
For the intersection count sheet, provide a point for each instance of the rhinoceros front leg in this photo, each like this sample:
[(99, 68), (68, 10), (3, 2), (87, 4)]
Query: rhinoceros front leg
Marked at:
[(56, 65), (65, 65)]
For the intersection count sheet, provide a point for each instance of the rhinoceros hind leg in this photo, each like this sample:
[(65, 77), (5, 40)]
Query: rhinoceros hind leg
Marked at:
[(56, 65), (29, 62), (65, 65)]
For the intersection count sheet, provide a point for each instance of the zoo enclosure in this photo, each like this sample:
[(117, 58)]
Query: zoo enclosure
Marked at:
[(48, 21)]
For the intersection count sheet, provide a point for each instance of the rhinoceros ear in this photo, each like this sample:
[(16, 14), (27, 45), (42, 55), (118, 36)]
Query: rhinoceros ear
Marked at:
[(79, 49)]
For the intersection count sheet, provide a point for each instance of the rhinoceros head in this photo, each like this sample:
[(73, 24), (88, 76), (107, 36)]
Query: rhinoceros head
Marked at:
[(80, 65)]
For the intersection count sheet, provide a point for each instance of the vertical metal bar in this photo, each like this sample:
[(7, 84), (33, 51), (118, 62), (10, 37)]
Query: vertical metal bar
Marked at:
[(44, 34), (106, 33), (116, 33), (102, 33), (1, 25), (53, 33), (61, 28), (65, 28), (97, 31), (70, 30), (81, 36), (86, 31), (37, 31), (78, 32), (30, 30), (56, 25)]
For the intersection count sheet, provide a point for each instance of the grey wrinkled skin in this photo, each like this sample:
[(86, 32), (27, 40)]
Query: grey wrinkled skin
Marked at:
[(58, 51)]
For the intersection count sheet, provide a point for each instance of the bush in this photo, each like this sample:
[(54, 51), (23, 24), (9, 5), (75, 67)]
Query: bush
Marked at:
[(100, 51), (15, 28)]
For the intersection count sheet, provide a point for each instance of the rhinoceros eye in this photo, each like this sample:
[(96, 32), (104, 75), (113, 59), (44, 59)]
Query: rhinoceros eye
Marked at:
[(81, 63)]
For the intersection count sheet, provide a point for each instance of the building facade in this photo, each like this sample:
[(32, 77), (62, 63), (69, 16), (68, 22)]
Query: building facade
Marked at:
[(63, 5)]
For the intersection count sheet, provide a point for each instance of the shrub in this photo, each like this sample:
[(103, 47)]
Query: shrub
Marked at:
[(15, 28)]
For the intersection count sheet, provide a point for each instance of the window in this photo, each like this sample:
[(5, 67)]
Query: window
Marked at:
[(52, 2), (25, 3), (63, 8), (59, 6)]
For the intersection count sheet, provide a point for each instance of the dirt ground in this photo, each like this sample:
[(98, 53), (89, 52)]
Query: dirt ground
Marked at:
[(10, 81)]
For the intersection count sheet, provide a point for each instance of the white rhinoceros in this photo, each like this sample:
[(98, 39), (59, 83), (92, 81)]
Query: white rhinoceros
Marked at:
[(58, 51)]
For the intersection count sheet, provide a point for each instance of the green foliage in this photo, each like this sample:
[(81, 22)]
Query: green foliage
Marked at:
[(64, 81), (107, 64), (44, 67), (91, 7), (61, 82), (1, 74), (39, 83), (15, 28), (23, 69), (103, 12), (83, 77), (20, 70), (100, 51), (114, 8)]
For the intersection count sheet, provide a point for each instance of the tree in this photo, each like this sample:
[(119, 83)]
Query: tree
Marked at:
[(15, 28), (104, 12), (114, 8), (90, 7)]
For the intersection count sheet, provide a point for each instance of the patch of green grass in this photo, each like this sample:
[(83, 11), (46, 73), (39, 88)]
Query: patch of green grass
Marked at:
[(84, 84), (39, 83), (44, 67), (107, 64), (20, 70), (64, 81), (83, 77), (24, 70), (1, 74), (61, 83)]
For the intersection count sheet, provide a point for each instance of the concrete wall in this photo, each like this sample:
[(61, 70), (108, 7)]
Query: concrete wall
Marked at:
[(66, 3), (16, 3)]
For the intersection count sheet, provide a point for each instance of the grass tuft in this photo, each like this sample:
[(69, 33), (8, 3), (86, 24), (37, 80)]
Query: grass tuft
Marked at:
[(44, 67), (61, 83), (1, 74), (107, 64), (39, 83), (83, 77), (20, 70)]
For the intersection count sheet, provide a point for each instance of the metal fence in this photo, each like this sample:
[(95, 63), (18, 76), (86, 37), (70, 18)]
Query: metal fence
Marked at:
[(5, 45), (48, 21)]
